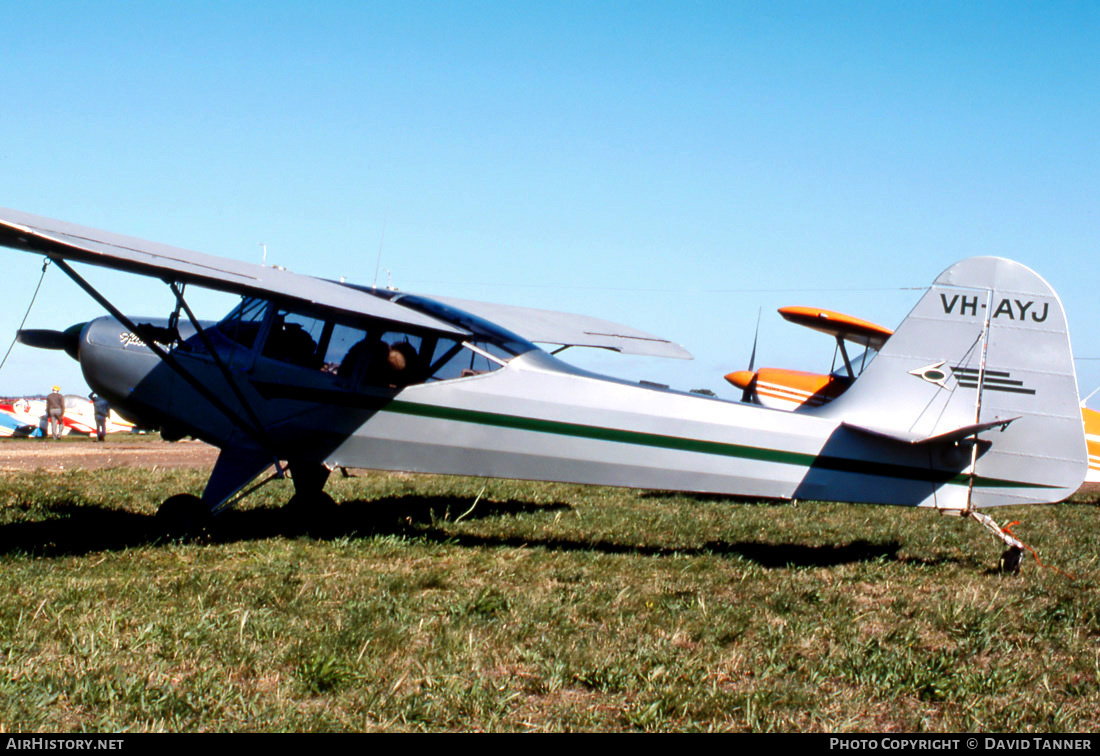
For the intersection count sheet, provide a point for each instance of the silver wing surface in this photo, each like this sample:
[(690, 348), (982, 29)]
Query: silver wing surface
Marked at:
[(567, 329), (66, 241)]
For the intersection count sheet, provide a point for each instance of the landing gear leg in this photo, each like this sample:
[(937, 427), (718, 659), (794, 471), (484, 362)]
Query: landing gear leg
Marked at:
[(310, 503)]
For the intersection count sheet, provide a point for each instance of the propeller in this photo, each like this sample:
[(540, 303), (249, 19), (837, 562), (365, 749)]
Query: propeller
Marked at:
[(755, 336), (746, 379), (43, 338)]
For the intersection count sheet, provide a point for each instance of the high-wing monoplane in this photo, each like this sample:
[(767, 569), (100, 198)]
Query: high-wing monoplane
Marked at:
[(320, 374)]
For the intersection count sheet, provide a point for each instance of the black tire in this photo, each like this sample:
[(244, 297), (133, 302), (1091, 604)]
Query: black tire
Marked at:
[(315, 505), (313, 513), (183, 516)]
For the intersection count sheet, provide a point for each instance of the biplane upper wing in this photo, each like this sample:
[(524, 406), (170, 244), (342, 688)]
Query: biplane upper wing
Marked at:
[(61, 240), (838, 324), (567, 329)]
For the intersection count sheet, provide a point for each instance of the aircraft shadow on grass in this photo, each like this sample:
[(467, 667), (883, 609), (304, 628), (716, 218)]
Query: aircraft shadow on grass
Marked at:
[(83, 529)]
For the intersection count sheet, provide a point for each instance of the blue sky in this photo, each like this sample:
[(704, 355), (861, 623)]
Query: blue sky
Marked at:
[(673, 166)]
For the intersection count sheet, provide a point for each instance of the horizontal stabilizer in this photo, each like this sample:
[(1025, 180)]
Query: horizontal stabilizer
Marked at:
[(567, 329), (947, 437)]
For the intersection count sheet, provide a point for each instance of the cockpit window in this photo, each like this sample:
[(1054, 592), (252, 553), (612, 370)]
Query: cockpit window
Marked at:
[(461, 360), (243, 324), (363, 353), (295, 338), (356, 353), (504, 341), (391, 359)]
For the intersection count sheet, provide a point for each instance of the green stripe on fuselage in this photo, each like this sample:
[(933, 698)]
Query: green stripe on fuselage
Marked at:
[(637, 438)]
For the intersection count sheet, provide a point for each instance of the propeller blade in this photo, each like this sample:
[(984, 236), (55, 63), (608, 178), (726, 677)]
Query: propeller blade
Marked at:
[(43, 338), (755, 336), (748, 383)]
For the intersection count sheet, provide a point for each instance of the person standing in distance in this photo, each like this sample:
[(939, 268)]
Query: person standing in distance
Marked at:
[(102, 409), (55, 410)]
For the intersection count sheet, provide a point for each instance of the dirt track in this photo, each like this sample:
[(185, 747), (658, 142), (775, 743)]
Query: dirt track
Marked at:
[(27, 454), (87, 454)]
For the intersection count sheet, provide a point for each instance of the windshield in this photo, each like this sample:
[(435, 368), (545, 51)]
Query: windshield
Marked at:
[(484, 331), (356, 352)]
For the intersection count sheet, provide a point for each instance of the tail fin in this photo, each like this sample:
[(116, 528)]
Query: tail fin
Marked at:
[(986, 348)]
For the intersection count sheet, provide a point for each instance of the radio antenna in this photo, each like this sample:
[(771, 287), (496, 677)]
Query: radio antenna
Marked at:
[(378, 262)]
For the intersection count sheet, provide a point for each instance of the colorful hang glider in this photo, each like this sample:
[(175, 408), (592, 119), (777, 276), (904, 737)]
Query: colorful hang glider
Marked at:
[(322, 374)]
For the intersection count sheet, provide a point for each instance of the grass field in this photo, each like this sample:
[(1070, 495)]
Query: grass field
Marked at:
[(431, 603)]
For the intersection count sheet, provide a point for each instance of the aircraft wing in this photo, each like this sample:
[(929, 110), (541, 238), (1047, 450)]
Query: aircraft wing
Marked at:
[(838, 324), (550, 327), (58, 239)]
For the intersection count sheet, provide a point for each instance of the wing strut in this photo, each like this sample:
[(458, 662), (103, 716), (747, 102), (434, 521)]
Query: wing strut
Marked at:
[(844, 354), (253, 432), (222, 367)]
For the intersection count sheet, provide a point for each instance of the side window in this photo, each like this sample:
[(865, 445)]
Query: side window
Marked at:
[(295, 338), (388, 359), (363, 355), (455, 360), (340, 343), (243, 324), (396, 360)]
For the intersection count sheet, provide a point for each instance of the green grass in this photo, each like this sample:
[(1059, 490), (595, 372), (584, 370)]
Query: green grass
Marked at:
[(540, 607)]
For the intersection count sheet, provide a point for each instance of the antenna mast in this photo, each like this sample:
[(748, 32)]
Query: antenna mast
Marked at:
[(378, 262)]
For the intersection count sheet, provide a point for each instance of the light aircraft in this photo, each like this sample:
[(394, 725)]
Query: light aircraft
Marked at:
[(796, 390), (13, 423), (780, 388), (323, 374), (27, 417)]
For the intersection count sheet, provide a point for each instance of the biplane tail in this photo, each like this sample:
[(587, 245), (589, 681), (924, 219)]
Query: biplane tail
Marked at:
[(983, 360)]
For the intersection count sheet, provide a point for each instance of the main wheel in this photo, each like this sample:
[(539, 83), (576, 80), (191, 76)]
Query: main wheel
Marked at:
[(313, 512), (183, 516)]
